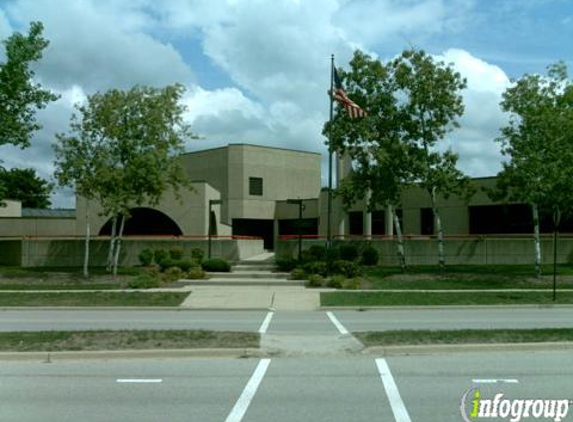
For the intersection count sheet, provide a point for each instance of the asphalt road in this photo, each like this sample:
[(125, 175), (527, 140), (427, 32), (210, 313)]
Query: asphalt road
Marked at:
[(287, 321), (417, 388)]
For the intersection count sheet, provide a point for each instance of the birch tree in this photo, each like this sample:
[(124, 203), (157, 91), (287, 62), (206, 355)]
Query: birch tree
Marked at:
[(380, 160), (138, 134), (538, 144), (429, 102)]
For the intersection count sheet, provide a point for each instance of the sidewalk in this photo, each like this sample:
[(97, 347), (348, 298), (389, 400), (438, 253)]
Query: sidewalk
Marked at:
[(263, 297)]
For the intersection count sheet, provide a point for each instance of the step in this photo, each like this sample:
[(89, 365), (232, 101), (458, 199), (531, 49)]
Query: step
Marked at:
[(252, 264), (259, 267), (249, 274), (245, 283)]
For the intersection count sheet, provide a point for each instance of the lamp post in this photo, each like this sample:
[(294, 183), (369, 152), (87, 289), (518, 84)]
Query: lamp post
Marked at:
[(301, 207), (211, 203)]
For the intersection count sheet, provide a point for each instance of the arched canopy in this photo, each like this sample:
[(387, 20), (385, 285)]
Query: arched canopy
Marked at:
[(145, 221)]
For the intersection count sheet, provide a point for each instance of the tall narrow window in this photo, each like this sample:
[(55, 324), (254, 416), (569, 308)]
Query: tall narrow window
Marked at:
[(426, 221), (256, 186)]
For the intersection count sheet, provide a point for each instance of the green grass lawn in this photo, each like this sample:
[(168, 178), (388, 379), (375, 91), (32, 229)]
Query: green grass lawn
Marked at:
[(464, 277), (361, 299), (57, 272), (92, 299), (60, 286), (50, 341), (424, 337)]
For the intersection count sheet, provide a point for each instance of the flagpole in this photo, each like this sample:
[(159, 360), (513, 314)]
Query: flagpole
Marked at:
[(329, 212)]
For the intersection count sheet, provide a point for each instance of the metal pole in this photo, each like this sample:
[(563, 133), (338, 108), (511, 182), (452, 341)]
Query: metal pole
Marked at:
[(300, 231), (329, 212), (554, 264), (209, 234)]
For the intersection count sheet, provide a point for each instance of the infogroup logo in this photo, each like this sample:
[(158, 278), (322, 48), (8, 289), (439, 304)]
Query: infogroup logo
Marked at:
[(473, 408)]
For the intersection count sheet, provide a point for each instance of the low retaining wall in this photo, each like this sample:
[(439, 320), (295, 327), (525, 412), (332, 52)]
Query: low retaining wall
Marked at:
[(70, 252), (478, 250)]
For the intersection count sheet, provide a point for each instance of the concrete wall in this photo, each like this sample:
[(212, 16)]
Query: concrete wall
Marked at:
[(40, 226), (69, 252), (474, 250), (10, 208)]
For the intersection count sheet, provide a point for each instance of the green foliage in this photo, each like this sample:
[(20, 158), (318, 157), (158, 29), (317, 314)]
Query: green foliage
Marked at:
[(145, 257), (317, 253), (298, 274), (315, 280), (143, 281), (195, 273), (349, 269), (216, 265), (173, 273), (159, 255), (538, 143), (20, 94), (319, 268), (197, 255), (182, 264), (369, 256), (348, 252), (332, 254), (336, 281), (351, 284), (176, 253), (286, 265), (24, 185)]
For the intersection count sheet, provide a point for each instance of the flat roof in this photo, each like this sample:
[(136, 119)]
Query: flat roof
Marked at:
[(254, 146)]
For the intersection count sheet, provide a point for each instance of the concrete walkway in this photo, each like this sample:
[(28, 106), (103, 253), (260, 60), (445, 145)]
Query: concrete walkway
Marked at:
[(263, 297)]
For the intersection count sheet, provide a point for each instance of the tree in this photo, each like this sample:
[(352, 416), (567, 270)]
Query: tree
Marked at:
[(539, 146), (135, 137), (20, 96), (429, 104), (380, 160), (24, 185)]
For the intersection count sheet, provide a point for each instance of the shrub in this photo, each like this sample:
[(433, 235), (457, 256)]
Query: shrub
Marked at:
[(182, 264), (153, 271), (145, 257), (336, 281), (317, 252), (143, 281), (351, 284), (173, 274), (369, 256), (349, 269), (319, 268), (160, 255), (286, 265), (315, 280), (216, 265), (197, 255), (298, 274), (332, 254), (348, 252), (176, 253), (196, 273)]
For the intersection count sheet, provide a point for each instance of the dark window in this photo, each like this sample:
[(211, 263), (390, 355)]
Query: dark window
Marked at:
[(355, 223), (500, 219), (426, 221), (308, 226), (256, 228), (378, 222), (256, 186)]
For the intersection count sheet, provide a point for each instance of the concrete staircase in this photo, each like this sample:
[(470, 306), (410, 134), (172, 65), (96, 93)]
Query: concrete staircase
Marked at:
[(249, 272)]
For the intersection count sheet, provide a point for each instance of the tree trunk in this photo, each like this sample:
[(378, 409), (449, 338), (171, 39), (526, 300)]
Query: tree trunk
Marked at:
[(111, 244), (438, 220), (118, 245), (400, 243), (536, 239), (87, 247)]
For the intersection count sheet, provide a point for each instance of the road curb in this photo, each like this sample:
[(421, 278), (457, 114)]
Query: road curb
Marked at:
[(438, 307), (48, 357), (460, 348), (121, 308)]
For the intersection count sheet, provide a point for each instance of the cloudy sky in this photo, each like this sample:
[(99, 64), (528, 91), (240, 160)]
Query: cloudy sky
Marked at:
[(257, 71)]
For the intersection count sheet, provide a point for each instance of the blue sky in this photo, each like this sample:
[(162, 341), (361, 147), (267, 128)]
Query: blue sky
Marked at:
[(257, 71)]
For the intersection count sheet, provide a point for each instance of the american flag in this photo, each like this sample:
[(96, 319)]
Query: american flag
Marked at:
[(353, 109)]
